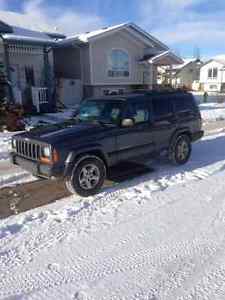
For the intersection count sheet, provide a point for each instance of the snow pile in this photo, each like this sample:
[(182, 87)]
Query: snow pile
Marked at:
[(212, 111), (5, 145), (52, 118), (10, 174)]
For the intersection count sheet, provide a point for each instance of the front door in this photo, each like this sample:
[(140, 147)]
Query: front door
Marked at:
[(137, 140)]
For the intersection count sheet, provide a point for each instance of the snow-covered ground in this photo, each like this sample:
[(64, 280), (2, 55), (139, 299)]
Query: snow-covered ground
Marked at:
[(212, 111), (159, 236), (9, 174)]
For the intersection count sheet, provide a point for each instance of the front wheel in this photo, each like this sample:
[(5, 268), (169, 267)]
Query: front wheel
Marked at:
[(87, 176), (180, 150)]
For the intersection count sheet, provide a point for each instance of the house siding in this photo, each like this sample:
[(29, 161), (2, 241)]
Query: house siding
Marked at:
[(85, 65), (100, 51), (189, 74), (68, 63)]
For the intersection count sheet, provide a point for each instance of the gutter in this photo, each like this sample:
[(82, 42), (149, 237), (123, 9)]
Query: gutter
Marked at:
[(28, 41)]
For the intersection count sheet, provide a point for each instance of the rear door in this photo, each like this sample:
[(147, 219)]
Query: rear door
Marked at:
[(164, 121), (137, 140), (187, 111)]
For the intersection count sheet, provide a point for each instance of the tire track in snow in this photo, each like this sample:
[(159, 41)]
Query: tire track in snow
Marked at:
[(94, 271), (81, 218)]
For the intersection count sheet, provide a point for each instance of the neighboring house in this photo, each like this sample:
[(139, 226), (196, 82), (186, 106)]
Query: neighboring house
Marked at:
[(112, 60), (26, 59), (212, 75), (183, 75)]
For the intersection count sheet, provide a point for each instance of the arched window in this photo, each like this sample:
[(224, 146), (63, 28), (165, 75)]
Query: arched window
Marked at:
[(118, 63)]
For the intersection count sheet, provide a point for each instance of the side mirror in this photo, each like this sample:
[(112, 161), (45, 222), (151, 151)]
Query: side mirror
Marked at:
[(127, 123)]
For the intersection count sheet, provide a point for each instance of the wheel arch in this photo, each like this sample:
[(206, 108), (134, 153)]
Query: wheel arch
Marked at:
[(179, 132), (75, 157)]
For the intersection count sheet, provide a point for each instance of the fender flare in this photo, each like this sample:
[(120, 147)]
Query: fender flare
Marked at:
[(178, 132), (76, 156)]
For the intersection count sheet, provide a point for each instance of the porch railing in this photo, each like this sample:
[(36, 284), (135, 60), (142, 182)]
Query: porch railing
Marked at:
[(39, 97)]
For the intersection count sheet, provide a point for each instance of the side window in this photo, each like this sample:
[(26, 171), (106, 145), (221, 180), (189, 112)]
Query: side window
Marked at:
[(162, 107), (183, 103), (139, 112)]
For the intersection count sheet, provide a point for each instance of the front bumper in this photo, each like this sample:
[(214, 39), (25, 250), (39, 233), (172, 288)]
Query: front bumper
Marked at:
[(36, 168), (197, 135)]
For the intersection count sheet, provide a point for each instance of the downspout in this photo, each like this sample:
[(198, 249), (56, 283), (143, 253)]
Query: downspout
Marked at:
[(9, 91), (47, 75)]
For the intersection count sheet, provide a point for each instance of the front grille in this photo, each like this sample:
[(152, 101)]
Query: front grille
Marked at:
[(28, 149)]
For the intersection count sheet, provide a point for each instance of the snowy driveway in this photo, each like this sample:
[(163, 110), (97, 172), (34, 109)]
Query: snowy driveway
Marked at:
[(161, 236)]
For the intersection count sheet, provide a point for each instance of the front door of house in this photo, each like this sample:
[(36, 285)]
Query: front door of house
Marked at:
[(70, 92)]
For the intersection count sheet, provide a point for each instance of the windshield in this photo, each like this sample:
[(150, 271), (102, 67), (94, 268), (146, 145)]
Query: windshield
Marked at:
[(99, 110)]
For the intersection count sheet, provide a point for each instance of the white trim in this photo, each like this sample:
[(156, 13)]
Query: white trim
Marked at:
[(91, 64), (139, 37), (107, 69), (126, 35), (87, 38), (130, 26), (81, 65), (149, 36), (166, 54)]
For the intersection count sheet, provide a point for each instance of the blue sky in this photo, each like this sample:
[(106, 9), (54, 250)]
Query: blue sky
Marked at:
[(184, 25)]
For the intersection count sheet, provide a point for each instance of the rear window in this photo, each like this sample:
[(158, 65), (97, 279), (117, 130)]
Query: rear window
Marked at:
[(184, 103), (162, 106)]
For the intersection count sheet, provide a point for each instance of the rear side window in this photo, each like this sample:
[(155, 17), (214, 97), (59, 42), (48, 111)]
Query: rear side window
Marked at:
[(184, 103), (139, 112), (162, 106)]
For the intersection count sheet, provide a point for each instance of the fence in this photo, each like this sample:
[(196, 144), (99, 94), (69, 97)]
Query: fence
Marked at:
[(39, 97)]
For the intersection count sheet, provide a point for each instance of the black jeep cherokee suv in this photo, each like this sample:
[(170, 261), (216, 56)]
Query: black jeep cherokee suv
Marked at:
[(106, 131)]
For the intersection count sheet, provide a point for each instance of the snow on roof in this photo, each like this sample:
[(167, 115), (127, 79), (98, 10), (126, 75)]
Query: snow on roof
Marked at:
[(28, 39), (186, 62), (219, 58), (84, 37), (24, 21), (17, 31)]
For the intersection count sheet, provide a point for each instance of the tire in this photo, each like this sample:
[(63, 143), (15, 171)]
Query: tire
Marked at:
[(180, 150), (87, 177)]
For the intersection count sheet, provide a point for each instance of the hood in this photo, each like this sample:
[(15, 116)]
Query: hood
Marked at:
[(57, 133)]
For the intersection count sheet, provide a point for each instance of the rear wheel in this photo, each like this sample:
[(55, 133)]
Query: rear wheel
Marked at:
[(180, 150), (87, 176)]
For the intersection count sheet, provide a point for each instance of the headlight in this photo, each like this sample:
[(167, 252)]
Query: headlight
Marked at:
[(46, 151)]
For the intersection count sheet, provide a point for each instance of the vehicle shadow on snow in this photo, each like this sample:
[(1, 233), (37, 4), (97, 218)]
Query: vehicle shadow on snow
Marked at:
[(208, 157)]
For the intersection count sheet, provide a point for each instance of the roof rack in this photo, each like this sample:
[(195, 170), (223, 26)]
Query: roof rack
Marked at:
[(159, 91)]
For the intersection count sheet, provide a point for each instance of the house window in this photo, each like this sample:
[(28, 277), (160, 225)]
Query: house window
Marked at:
[(213, 87), (118, 63), (212, 73), (29, 75)]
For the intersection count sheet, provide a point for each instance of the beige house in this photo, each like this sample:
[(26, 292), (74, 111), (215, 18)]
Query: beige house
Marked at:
[(112, 60), (183, 75)]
